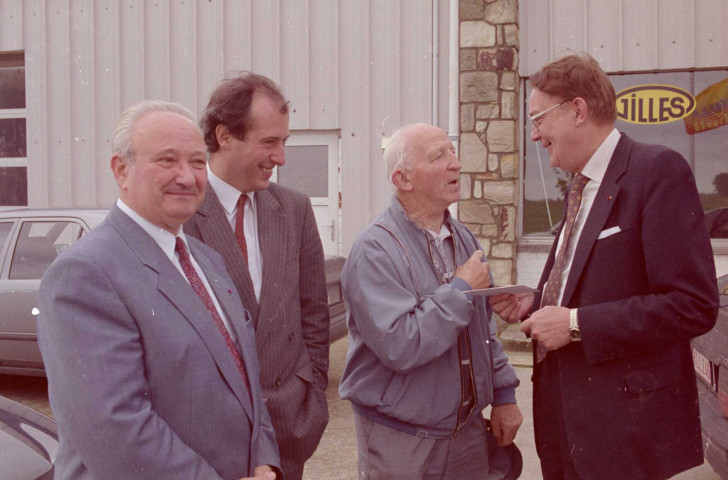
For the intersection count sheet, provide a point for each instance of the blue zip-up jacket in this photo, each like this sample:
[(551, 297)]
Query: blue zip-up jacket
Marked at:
[(402, 367)]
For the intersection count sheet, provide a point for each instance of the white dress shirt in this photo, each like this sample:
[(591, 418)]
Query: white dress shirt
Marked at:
[(166, 242), (228, 196), (594, 170)]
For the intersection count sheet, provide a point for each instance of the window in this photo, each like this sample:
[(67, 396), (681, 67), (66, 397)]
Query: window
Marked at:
[(39, 243), (5, 229), (705, 150), (306, 169), (13, 145)]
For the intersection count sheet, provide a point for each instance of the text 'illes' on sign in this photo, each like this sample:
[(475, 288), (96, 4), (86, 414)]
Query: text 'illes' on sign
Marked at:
[(654, 104)]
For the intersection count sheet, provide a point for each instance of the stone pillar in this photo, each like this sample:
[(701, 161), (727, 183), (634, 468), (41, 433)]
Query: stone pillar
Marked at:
[(489, 129)]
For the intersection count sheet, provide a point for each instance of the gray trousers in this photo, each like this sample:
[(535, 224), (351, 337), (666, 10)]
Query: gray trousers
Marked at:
[(387, 454)]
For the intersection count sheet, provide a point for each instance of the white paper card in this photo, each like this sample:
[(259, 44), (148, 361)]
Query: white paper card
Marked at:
[(511, 289)]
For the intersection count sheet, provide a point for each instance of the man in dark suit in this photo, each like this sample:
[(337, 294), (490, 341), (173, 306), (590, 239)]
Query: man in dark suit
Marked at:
[(268, 237), (629, 281), (150, 356)]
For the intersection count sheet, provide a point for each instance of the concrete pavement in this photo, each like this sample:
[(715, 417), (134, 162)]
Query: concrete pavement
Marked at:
[(335, 458)]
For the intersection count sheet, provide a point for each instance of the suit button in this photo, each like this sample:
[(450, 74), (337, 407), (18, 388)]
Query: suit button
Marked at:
[(291, 336), (279, 382)]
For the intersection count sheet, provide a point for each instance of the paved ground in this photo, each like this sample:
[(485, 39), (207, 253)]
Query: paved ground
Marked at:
[(335, 459)]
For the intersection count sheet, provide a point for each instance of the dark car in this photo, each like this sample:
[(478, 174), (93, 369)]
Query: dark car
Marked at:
[(337, 308), (28, 443), (30, 239), (710, 356)]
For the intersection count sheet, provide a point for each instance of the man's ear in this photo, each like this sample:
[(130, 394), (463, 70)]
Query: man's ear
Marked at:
[(223, 135), (401, 181), (581, 110), (120, 169)]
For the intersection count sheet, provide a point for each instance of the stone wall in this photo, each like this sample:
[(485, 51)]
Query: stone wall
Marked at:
[(488, 129)]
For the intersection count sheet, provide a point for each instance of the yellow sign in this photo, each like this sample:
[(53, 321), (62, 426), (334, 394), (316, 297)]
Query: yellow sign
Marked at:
[(654, 104), (711, 109)]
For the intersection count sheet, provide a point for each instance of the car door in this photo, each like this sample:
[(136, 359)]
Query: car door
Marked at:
[(33, 245)]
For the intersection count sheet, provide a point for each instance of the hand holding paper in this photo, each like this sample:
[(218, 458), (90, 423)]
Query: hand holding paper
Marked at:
[(513, 302)]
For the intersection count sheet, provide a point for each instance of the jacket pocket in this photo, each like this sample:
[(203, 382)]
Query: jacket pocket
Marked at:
[(653, 377), (392, 392), (305, 373)]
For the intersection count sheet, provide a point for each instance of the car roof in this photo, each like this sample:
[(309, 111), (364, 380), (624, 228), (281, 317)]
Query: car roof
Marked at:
[(93, 216)]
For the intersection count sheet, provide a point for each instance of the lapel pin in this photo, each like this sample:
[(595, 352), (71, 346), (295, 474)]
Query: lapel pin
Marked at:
[(609, 197), (230, 291)]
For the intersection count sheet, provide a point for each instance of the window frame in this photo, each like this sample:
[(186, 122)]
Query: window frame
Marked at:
[(15, 59)]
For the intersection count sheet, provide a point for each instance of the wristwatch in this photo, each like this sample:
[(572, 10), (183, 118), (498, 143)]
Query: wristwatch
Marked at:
[(574, 326)]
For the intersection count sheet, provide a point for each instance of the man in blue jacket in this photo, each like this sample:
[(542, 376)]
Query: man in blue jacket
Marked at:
[(423, 360)]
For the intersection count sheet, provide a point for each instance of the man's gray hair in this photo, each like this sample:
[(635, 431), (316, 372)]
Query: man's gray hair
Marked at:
[(398, 152), (121, 139)]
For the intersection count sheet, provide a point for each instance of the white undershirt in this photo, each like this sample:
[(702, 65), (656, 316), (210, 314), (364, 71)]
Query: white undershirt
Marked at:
[(228, 196), (166, 242), (594, 170)]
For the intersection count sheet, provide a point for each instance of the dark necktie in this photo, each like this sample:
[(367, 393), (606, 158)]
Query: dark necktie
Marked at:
[(201, 291), (553, 285), (240, 224)]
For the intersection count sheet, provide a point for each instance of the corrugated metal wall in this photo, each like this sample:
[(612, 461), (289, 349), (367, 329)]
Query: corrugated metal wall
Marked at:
[(625, 35), (363, 67)]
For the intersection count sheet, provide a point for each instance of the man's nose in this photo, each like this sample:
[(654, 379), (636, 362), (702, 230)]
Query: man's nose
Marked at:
[(185, 174), (535, 134), (279, 156)]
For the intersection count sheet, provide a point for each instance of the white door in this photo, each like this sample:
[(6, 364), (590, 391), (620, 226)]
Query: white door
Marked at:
[(312, 167)]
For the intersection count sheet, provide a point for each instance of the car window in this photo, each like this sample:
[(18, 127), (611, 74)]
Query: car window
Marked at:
[(716, 222), (5, 229), (39, 243)]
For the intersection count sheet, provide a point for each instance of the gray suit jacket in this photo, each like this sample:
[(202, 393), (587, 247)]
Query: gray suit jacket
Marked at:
[(292, 320), (140, 380)]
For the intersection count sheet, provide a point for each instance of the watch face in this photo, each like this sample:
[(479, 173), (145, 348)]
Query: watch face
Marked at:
[(574, 333)]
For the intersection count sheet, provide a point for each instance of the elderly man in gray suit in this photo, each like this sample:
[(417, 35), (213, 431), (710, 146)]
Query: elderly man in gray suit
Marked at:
[(268, 237), (150, 357)]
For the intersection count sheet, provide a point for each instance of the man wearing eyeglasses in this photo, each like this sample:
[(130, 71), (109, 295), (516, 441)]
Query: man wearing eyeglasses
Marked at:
[(423, 359), (629, 281)]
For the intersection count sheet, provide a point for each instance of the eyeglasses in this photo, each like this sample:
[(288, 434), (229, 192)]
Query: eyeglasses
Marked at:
[(538, 119)]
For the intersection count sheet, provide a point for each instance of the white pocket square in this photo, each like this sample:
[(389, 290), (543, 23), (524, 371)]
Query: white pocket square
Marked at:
[(609, 232)]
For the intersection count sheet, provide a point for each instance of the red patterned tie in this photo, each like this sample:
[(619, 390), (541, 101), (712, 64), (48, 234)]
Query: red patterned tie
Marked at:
[(201, 291), (553, 285), (240, 224)]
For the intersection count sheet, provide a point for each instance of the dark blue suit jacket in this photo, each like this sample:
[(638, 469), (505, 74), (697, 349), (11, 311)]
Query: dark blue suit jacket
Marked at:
[(628, 392)]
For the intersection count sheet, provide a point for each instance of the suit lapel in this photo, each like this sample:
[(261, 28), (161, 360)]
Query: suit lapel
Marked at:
[(224, 293), (216, 232), (600, 209), (175, 288), (273, 239)]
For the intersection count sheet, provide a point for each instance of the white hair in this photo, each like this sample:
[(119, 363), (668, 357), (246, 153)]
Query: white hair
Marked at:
[(398, 152), (121, 139)]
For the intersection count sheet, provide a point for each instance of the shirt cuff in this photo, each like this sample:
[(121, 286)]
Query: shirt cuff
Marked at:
[(503, 396)]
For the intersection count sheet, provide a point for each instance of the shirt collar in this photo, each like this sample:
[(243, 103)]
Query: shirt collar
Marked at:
[(226, 193), (165, 239), (444, 232), (597, 165), (446, 223)]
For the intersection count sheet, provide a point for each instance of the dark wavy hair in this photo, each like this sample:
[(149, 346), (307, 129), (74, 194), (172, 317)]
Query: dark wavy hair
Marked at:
[(230, 105)]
